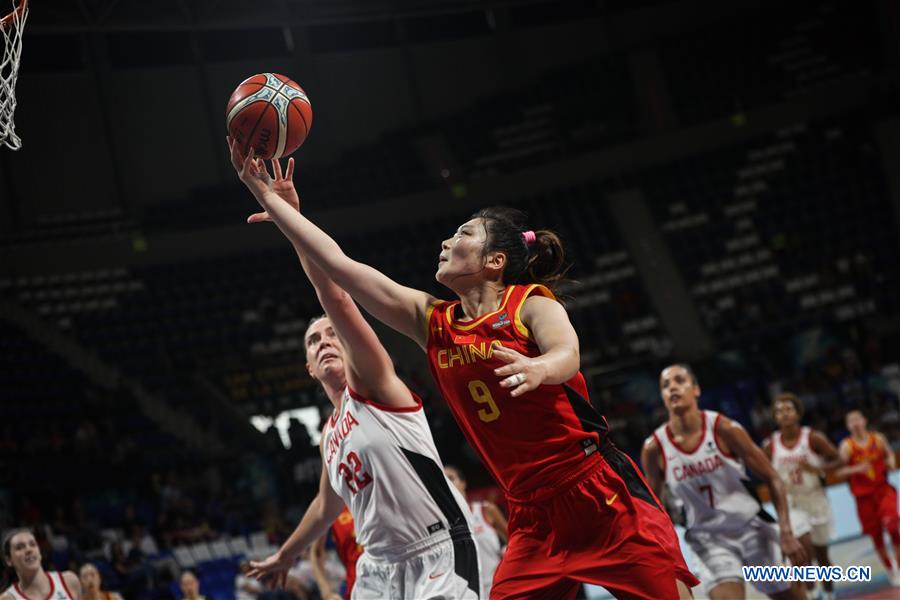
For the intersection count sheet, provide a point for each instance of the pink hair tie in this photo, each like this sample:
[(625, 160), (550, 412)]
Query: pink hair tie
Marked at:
[(529, 236)]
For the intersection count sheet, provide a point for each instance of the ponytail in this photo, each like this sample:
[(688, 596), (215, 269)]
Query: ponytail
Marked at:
[(547, 259), (531, 256)]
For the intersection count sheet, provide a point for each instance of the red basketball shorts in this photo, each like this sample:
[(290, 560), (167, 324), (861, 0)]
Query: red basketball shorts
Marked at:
[(878, 512), (602, 525)]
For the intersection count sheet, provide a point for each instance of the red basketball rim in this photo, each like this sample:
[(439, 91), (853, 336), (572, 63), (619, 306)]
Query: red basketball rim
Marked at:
[(5, 21)]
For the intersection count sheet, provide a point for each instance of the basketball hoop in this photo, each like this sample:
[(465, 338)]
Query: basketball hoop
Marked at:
[(11, 28)]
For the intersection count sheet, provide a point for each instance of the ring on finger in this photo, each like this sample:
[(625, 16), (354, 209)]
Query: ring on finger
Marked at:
[(518, 379)]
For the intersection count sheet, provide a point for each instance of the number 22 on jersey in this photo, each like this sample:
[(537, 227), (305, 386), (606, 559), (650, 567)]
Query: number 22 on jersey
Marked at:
[(353, 474)]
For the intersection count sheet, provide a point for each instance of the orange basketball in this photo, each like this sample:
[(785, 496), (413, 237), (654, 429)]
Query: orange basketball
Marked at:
[(270, 113)]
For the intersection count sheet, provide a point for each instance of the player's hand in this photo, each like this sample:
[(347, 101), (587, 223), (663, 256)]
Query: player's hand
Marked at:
[(793, 550), (283, 185), (272, 571), (521, 373), (251, 170)]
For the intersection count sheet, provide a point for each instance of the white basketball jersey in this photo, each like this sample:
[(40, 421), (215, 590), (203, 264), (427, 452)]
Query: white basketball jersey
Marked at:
[(709, 482), (787, 462), (489, 552), (58, 589), (382, 461)]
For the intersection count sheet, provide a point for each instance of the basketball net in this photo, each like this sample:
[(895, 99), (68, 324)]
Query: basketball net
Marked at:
[(11, 27)]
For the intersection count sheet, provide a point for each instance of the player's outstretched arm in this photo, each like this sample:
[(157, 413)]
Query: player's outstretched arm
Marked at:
[(319, 516), (555, 337), (370, 368), (398, 306), (736, 438)]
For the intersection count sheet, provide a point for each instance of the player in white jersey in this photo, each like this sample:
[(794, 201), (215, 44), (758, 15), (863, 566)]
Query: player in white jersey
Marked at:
[(378, 456), (701, 455), (802, 456), (22, 554), (489, 528)]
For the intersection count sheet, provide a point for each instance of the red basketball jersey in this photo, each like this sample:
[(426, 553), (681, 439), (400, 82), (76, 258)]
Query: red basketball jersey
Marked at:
[(528, 442), (348, 550), (873, 480)]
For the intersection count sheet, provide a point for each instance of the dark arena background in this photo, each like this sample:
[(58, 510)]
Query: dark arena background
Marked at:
[(725, 177)]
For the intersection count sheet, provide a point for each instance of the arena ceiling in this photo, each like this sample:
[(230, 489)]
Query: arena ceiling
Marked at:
[(125, 15)]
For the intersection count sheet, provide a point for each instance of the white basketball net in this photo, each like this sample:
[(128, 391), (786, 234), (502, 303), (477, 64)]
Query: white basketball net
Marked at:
[(11, 28)]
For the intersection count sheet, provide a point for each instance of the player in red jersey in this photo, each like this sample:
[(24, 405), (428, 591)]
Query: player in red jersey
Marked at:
[(505, 357), (869, 457), (343, 532)]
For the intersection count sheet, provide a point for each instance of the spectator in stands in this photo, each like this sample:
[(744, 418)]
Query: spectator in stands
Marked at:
[(190, 586), (272, 522), (142, 541), (301, 444), (60, 524), (246, 588), (273, 438), (85, 534), (91, 583), (130, 570), (170, 492)]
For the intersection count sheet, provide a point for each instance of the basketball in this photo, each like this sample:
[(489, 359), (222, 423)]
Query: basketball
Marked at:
[(269, 113)]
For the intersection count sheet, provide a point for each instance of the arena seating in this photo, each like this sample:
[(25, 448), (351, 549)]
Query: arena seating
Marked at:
[(733, 66), (73, 226), (569, 110), (160, 324), (782, 232)]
